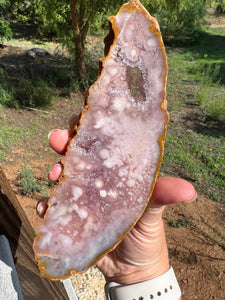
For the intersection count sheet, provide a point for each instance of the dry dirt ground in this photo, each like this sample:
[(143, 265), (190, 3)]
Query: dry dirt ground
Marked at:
[(196, 248)]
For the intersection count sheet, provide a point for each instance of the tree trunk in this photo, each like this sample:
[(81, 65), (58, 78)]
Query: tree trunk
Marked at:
[(79, 34)]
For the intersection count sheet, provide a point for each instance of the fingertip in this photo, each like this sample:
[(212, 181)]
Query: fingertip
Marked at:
[(52, 131), (58, 140), (171, 190), (55, 172), (42, 207)]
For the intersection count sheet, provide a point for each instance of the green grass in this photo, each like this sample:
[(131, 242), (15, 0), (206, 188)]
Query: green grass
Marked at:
[(19, 136), (10, 135), (195, 144), (210, 93), (182, 222), (29, 91), (198, 158), (29, 184)]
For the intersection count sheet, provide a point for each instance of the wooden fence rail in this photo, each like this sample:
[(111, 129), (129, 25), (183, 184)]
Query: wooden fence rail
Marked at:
[(18, 230)]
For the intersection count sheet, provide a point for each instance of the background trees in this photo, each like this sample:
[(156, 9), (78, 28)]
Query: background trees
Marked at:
[(5, 31), (180, 20), (69, 20), (83, 13)]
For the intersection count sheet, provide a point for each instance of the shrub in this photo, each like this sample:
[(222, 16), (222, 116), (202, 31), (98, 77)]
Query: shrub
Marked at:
[(29, 184), (212, 102), (182, 222), (210, 94), (6, 95), (7, 98), (29, 91), (5, 31), (179, 20), (34, 92), (220, 8), (216, 108)]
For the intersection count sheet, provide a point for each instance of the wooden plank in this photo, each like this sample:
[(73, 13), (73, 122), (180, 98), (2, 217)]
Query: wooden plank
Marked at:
[(18, 230)]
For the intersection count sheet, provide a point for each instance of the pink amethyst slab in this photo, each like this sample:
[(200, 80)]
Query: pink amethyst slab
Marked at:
[(112, 162)]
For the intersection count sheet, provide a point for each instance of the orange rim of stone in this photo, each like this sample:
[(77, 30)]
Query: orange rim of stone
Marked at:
[(154, 28)]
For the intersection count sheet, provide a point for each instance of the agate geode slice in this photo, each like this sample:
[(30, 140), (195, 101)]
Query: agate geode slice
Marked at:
[(113, 160)]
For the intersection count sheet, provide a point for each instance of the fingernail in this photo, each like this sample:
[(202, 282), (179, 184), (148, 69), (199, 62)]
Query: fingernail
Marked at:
[(56, 165), (51, 132), (195, 197), (41, 208), (55, 175)]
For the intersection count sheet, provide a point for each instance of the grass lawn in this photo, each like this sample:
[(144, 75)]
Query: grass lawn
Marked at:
[(195, 145)]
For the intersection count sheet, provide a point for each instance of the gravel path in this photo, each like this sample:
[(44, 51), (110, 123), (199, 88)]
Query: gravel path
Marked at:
[(89, 286)]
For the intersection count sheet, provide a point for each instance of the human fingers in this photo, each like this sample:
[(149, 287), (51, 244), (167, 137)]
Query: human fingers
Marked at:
[(53, 175), (168, 190), (42, 206), (55, 172), (171, 190), (58, 140), (145, 245)]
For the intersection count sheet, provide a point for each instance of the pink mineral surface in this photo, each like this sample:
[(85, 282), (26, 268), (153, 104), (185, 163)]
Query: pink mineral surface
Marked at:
[(111, 164)]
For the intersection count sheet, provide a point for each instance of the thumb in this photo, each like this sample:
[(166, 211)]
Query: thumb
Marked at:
[(168, 190), (171, 190)]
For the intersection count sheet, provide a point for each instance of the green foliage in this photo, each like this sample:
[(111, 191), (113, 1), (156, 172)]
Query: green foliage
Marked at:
[(34, 92), (29, 91), (210, 94), (182, 222), (200, 159), (9, 135), (216, 107), (220, 8), (212, 102), (179, 20), (7, 97), (25, 11), (5, 31), (28, 182), (69, 21), (195, 144), (55, 19)]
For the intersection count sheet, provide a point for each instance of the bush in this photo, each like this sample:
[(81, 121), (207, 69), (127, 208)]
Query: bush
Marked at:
[(29, 184), (212, 102), (29, 91), (220, 8), (216, 107), (179, 20), (6, 95), (7, 98), (210, 94), (5, 31), (34, 92)]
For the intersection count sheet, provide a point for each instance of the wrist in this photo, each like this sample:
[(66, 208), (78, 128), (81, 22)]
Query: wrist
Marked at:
[(145, 275), (130, 272), (165, 286), (137, 275)]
